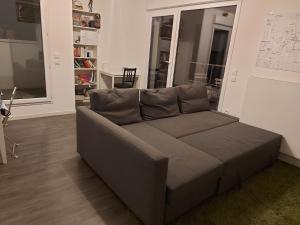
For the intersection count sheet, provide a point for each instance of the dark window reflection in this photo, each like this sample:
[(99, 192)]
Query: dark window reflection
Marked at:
[(21, 49), (204, 37)]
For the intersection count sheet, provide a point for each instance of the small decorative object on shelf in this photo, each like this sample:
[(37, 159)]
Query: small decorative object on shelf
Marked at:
[(97, 21), (76, 19), (77, 5), (90, 5), (85, 20)]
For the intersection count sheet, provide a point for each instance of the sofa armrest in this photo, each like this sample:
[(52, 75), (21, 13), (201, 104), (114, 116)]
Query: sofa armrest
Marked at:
[(133, 169)]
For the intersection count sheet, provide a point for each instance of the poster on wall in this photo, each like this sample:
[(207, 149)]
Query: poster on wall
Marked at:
[(280, 46)]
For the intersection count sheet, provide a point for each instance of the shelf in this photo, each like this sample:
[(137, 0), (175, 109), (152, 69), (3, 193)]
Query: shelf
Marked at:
[(79, 44), (85, 28), (91, 58), (84, 12), (85, 69), (82, 98), (91, 84)]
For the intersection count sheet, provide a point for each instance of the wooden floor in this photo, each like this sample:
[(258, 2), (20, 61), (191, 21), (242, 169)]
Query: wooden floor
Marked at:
[(49, 184)]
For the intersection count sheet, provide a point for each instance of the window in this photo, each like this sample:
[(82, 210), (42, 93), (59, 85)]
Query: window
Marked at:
[(21, 49), (203, 43)]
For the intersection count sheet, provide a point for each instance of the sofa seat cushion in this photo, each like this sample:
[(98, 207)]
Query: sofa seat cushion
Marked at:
[(190, 171), (187, 124), (243, 149)]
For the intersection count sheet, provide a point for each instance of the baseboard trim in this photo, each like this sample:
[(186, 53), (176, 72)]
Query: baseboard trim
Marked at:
[(39, 115), (289, 159)]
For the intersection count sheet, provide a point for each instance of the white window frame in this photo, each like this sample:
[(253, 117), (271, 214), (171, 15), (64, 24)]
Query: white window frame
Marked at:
[(158, 13), (47, 64), (176, 10)]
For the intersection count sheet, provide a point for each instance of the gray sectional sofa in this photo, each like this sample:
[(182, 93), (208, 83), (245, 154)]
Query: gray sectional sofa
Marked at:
[(163, 152)]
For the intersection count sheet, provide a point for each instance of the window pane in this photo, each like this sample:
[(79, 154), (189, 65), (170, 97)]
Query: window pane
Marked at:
[(204, 37), (161, 37), (21, 49)]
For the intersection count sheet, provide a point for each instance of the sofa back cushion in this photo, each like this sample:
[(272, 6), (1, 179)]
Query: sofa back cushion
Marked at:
[(193, 98), (159, 103), (121, 106)]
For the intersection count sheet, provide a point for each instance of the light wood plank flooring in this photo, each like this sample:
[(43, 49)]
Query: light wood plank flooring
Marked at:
[(49, 184)]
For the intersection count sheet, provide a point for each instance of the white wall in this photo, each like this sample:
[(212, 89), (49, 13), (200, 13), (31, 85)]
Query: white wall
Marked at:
[(274, 105), (123, 36), (262, 97), (59, 27), (250, 32)]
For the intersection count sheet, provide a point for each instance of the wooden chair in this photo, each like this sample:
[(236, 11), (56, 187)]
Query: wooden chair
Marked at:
[(5, 124), (128, 80)]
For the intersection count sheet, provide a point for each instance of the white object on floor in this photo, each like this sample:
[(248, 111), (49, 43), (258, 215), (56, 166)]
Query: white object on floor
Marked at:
[(2, 144)]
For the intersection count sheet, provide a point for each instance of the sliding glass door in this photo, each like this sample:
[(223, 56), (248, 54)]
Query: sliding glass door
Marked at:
[(22, 50), (203, 42), (162, 34), (192, 48)]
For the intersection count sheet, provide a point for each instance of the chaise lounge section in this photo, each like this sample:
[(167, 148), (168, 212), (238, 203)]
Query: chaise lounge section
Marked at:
[(163, 152)]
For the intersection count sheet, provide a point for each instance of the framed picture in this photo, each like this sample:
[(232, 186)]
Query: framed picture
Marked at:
[(28, 12)]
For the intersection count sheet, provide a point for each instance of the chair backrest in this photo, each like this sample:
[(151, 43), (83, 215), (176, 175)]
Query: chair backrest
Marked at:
[(4, 122), (129, 76)]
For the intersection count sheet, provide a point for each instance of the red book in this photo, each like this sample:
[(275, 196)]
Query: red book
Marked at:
[(86, 64)]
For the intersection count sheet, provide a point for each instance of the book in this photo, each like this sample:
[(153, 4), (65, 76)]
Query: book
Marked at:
[(76, 64), (88, 64), (77, 52)]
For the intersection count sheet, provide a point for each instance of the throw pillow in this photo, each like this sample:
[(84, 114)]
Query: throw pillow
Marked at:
[(121, 106), (159, 103), (193, 98)]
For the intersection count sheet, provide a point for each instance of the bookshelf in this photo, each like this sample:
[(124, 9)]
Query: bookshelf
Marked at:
[(86, 27)]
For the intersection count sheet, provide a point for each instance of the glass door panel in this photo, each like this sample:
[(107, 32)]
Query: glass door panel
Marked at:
[(159, 60), (203, 42), (21, 50)]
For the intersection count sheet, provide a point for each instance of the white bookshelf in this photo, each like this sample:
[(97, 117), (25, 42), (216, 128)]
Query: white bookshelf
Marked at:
[(85, 52)]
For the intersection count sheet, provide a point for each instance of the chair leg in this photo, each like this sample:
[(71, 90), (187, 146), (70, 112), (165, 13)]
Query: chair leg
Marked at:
[(15, 145), (13, 154)]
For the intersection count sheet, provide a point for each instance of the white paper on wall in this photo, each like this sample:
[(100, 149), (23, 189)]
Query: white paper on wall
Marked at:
[(280, 45)]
